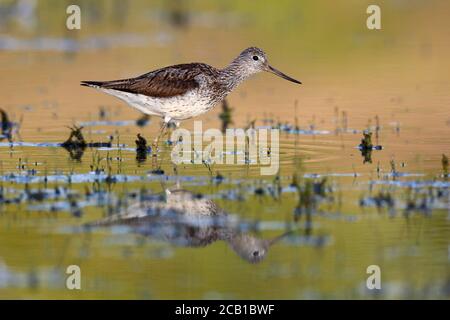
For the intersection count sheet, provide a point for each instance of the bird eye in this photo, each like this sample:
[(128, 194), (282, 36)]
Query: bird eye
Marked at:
[(255, 58)]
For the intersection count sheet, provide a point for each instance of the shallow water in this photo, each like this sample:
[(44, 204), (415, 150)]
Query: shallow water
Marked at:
[(315, 234)]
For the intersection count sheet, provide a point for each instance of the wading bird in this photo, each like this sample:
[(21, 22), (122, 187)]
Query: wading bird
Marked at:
[(184, 91)]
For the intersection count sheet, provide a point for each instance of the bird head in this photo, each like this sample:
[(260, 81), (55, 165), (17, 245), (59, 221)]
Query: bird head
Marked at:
[(253, 60)]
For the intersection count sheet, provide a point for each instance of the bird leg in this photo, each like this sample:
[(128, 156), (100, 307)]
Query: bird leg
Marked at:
[(156, 141), (171, 126)]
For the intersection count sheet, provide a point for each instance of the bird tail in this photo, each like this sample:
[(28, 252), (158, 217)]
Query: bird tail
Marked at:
[(93, 84)]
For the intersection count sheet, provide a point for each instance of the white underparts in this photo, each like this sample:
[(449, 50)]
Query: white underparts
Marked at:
[(180, 107)]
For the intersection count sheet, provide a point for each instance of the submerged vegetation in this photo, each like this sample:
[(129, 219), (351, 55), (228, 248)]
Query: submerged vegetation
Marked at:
[(226, 115), (444, 162), (366, 146), (141, 148), (75, 140), (6, 126), (76, 144)]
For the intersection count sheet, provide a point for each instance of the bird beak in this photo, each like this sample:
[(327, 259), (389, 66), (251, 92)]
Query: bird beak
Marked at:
[(276, 239), (281, 74)]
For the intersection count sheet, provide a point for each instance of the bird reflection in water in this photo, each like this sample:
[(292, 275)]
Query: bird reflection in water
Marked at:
[(187, 219)]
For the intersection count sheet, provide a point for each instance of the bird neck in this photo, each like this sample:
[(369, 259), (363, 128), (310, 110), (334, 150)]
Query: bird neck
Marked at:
[(232, 75)]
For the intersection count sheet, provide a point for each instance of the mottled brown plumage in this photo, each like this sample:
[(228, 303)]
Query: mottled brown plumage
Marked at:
[(162, 83)]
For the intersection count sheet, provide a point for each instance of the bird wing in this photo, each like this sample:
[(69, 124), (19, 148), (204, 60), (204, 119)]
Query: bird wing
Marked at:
[(162, 83)]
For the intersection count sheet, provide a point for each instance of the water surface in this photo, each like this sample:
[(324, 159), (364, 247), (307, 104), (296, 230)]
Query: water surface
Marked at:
[(316, 226)]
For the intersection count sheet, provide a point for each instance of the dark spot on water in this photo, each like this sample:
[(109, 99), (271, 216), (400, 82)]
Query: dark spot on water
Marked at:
[(157, 171), (143, 120), (259, 191)]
